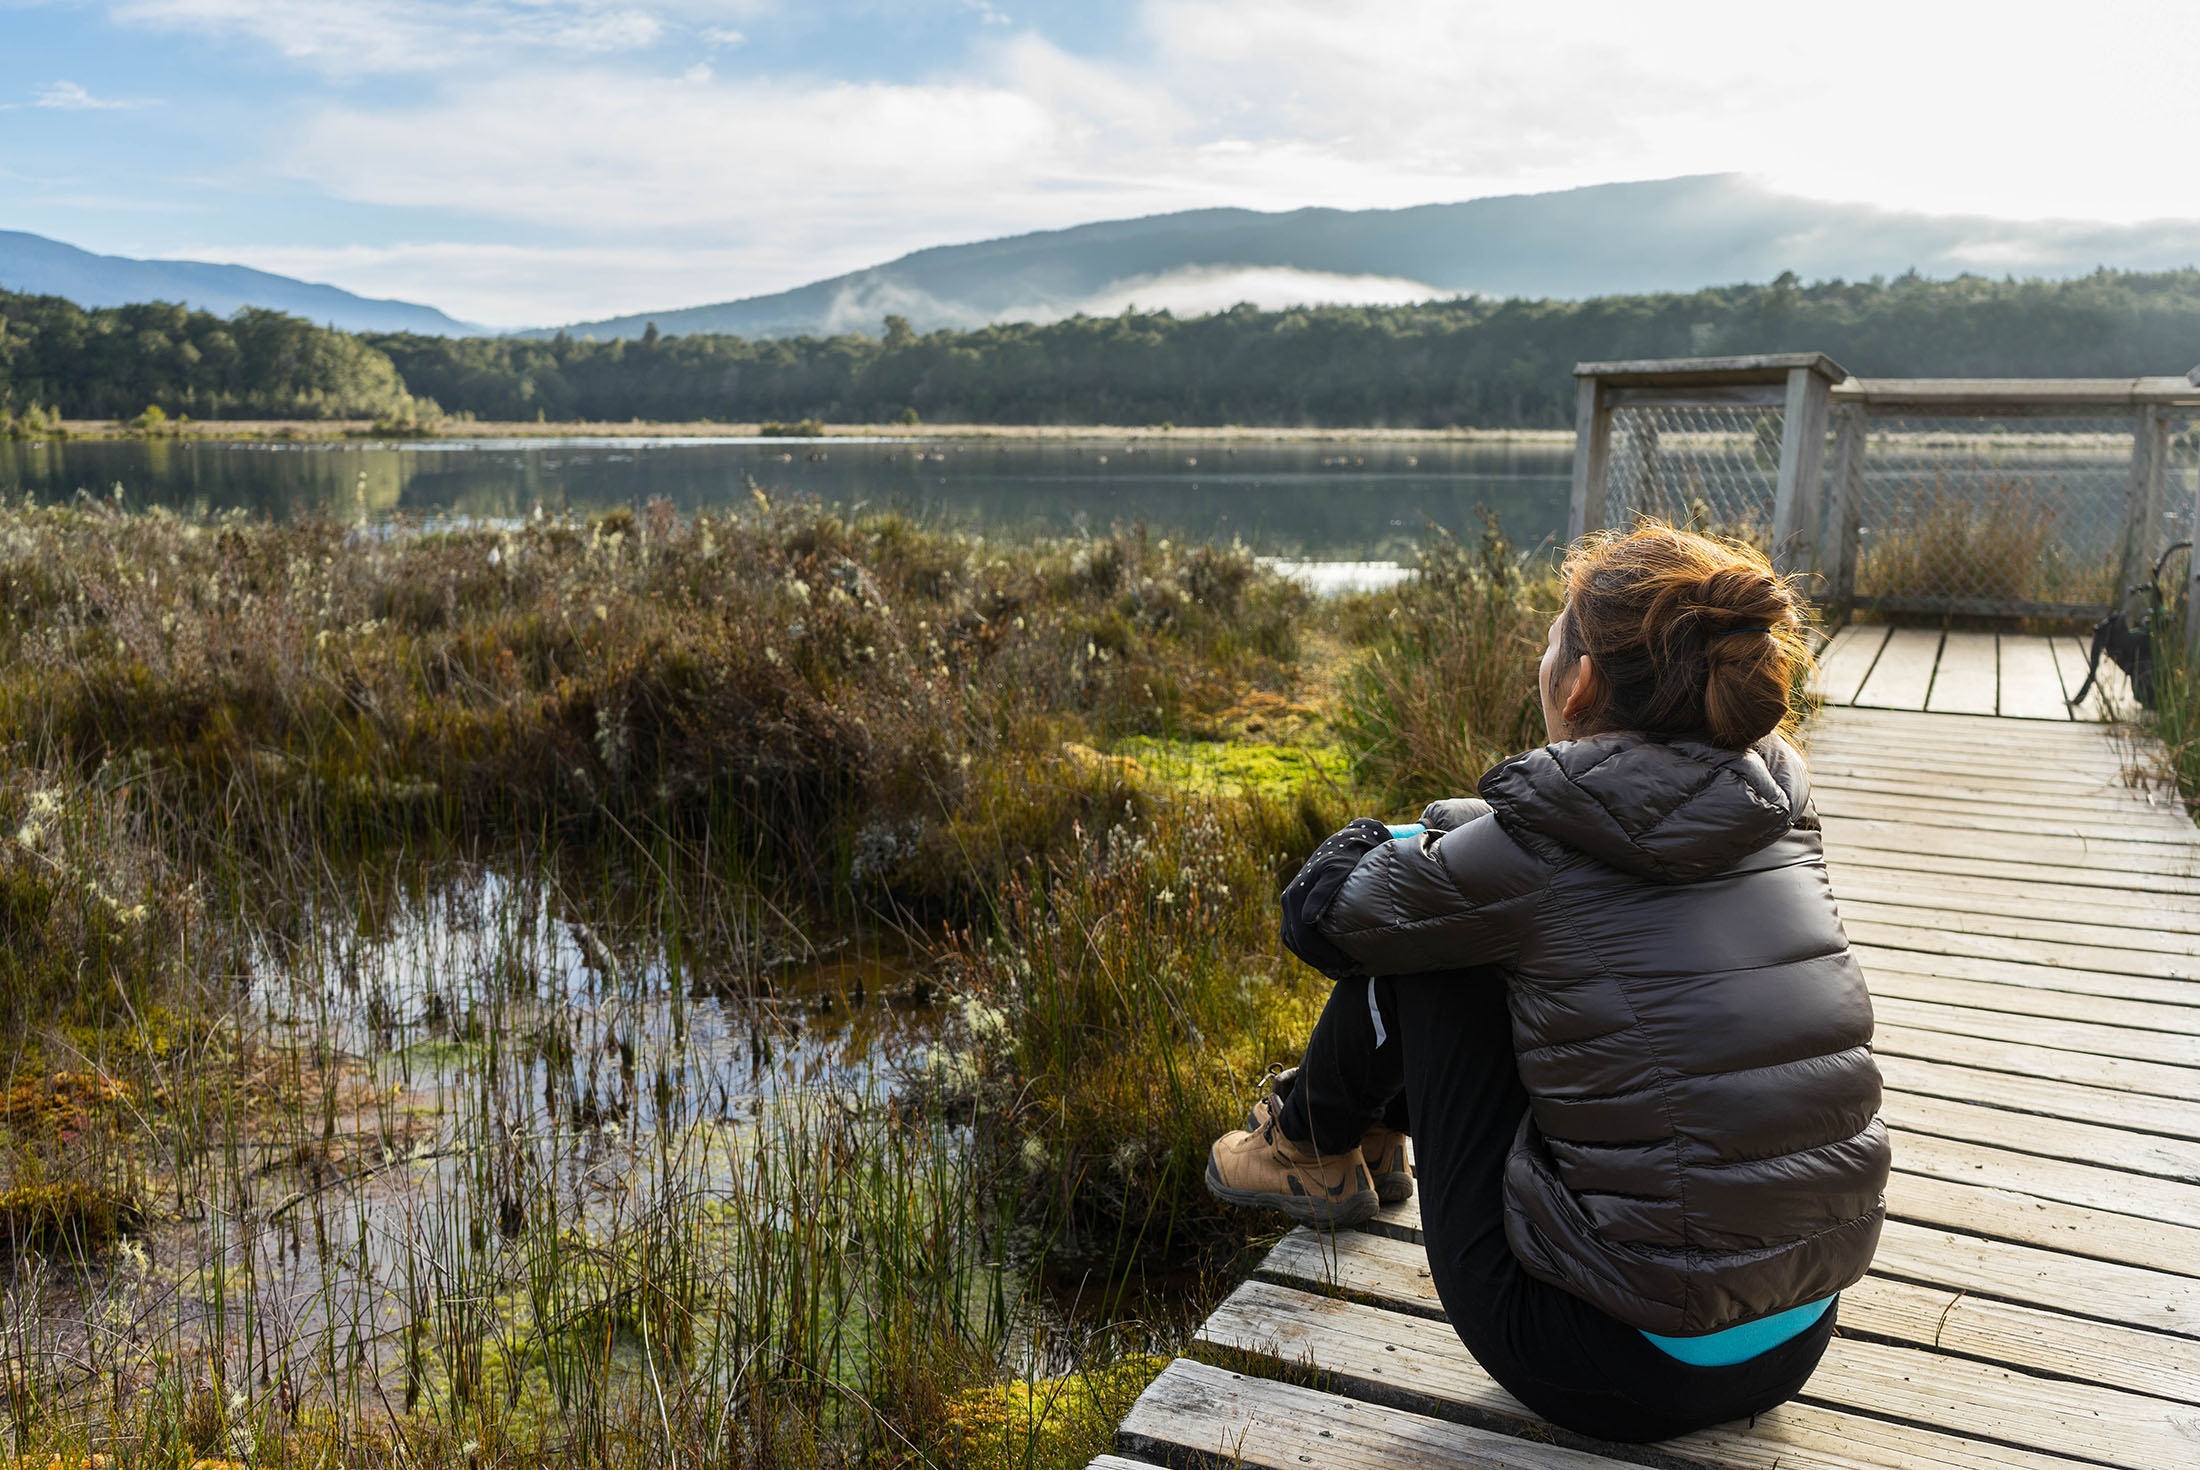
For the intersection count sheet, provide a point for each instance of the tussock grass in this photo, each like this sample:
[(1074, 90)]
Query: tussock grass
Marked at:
[(1447, 686)]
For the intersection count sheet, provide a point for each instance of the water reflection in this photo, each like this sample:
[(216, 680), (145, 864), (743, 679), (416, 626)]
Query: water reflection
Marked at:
[(1325, 502)]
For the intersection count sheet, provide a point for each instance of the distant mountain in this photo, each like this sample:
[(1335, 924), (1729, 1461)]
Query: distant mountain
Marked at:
[(44, 267), (1666, 235)]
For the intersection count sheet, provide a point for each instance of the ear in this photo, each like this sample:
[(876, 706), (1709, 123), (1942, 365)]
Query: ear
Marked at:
[(1585, 695)]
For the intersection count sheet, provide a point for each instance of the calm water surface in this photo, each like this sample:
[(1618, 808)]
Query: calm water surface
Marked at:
[(1314, 502)]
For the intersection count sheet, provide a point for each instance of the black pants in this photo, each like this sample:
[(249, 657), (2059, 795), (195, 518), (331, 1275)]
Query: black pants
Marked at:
[(1446, 1056)]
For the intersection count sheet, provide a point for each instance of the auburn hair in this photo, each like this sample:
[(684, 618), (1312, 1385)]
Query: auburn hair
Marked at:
[(1688, 634)]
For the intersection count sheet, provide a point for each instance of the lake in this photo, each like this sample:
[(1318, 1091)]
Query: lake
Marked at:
[(1320, 502)]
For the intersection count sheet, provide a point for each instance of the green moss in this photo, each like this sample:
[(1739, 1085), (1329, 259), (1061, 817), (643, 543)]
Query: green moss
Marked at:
[(1046, 1423), (66, 1216), (1236, 767)]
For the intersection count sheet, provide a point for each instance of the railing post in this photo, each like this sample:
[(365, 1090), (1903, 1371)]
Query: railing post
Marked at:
[(2192, 582), (1802, 453), (1592, 454), (2142, 503), (1837, 542)]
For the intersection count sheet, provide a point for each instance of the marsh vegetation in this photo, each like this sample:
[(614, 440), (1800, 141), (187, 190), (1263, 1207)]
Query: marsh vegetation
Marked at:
[(747, 989)]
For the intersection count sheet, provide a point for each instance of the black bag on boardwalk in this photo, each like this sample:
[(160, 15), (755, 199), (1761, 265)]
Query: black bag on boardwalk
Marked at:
[(2131, 647)]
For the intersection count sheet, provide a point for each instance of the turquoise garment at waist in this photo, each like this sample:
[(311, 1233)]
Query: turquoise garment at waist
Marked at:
[(1739, 1344)]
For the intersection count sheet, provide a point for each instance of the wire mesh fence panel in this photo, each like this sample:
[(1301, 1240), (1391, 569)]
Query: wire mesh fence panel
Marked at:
[(1712, 468), (2180, 485), (1993, 515)]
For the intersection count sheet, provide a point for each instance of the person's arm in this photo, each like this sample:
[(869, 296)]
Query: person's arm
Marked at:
[(1444, 816), (1315, 888), (1442, 901)]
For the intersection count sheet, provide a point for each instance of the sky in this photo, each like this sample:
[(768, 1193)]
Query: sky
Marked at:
[(526, 162)]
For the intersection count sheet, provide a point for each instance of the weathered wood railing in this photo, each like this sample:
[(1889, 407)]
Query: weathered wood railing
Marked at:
[(1829, 470)]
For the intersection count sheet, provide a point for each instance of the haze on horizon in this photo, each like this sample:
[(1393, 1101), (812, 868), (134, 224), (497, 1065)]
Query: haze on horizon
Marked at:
[(524, 162)]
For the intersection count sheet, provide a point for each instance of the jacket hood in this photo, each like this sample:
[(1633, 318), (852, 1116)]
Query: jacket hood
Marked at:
[(1670, 810)]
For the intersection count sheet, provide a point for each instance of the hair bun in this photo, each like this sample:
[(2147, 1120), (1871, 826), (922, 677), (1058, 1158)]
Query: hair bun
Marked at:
[(1655, 608)]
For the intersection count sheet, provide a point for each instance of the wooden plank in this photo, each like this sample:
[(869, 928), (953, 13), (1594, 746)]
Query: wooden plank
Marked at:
[(2140, 1117), (2010, 397), (2109, 985), (2104, 959), (2118, 833), (1992, 1209), (1842, 667), (1396, 1356), (1987, 1399), (1117, 1462), (2047, 774), (2031, 686), (2008, 799), (1969, 677), (2002, 796), (1867, 845), (1762, 367), (2008, 1245), (2040, 850), (1838, 763), (1240, 1420), (2002, 1213), (2084, 1069), (1904, 673), (2037, 1001), (1838, 730), (1985, 740), (1967, 736), (2027, 733), (2109, 1148), (2104, 934), (2173, 1206), (2062, 1035), (2025, 1274), (1393, 1274), (1858, 876)]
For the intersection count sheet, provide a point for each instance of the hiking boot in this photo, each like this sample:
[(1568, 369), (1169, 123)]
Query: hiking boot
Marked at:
[(1383, 1148), (1385, 1152), (1265, 1170)]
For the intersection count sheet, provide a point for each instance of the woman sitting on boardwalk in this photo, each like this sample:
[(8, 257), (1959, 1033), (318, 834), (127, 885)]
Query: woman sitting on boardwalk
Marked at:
[(1613, 1005)]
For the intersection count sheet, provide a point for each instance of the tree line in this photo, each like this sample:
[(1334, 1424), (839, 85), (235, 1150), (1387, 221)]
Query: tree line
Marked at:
[(118, 361), (1471, 361)]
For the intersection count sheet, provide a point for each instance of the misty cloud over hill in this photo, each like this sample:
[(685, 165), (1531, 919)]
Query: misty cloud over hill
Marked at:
[(43, 267), (1667, 235)]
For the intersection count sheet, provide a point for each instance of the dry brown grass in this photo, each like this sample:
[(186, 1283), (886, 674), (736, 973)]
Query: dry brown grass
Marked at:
[(2000, 542)]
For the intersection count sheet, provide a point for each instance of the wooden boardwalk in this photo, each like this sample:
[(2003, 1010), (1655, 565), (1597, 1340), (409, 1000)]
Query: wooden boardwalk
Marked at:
[(2031, 927)]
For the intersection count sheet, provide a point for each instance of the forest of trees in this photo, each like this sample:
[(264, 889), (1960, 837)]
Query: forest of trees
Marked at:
[(1474, 362), (113, 362)]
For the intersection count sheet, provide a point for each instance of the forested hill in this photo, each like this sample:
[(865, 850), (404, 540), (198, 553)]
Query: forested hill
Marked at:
[(1469, 362)]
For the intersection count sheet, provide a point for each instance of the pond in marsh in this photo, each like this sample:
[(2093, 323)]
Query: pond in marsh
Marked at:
[(1340, 501)]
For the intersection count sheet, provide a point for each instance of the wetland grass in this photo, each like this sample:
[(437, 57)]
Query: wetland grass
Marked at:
[(2000, 541), (638, 992)]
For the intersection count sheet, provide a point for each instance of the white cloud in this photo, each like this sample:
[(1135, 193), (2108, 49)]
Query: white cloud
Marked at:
[(621, 153), (1202, 289), (70, 97), (381, 37), (550, 119), (504, 285)]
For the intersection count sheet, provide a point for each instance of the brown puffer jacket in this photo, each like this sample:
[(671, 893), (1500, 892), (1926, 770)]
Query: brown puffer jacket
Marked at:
[(1702, 1146)]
